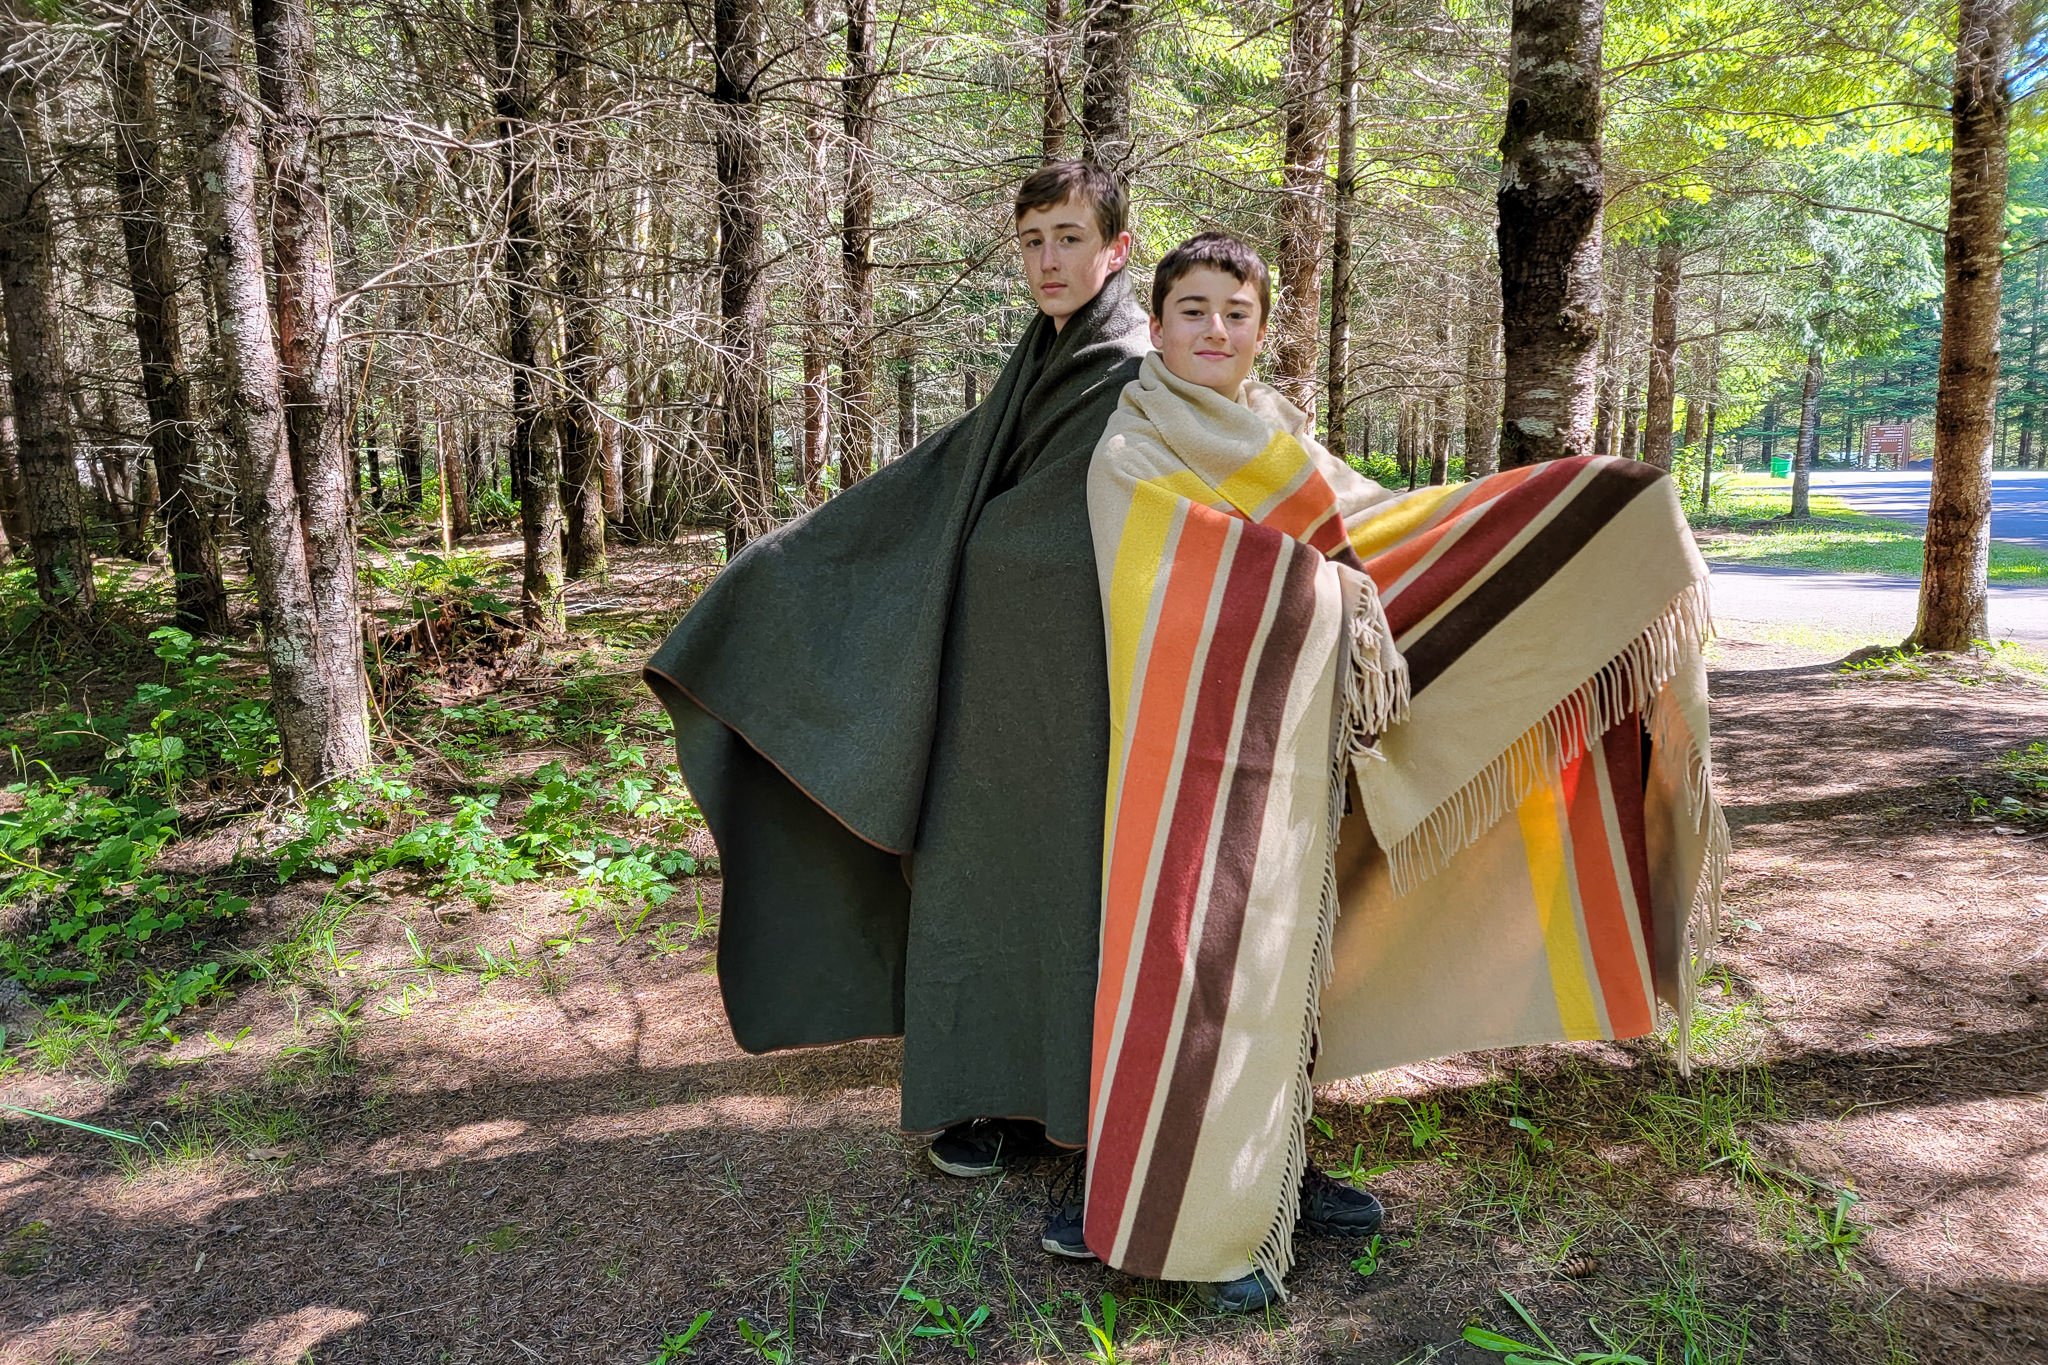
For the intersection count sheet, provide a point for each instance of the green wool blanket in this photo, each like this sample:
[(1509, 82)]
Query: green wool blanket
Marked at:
[(893, 713)]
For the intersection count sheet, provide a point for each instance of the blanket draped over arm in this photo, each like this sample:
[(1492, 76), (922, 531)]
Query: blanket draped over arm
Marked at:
[(1392, 776)]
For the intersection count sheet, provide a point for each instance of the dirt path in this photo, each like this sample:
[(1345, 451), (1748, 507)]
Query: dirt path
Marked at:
[(568, 1160)]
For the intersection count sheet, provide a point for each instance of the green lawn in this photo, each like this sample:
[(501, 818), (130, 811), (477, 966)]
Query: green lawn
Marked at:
[(1745, 526)]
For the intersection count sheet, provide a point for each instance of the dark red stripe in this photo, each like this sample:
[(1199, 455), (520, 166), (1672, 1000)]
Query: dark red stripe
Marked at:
[(1251, 779), (1613, 487), (1500, 521), (1139, 1060), (1624, 748)]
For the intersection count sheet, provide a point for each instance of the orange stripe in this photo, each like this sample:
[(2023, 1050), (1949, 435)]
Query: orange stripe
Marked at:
[(1387, 567), (1600, 902), (1154, 736), (1302, 508)]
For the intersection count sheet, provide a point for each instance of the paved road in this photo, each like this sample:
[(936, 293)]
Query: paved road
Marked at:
[(1878, 606), (2019, 500)]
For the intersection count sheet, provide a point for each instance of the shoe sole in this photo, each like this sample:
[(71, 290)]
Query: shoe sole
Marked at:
[(1315, 1229), (964, 1172), (1069, 1253)]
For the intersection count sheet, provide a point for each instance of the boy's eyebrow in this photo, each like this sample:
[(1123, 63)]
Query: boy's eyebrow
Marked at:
[(1041, 227)]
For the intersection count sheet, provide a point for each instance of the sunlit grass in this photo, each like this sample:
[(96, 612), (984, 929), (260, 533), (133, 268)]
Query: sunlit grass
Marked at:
[(1745, 526)]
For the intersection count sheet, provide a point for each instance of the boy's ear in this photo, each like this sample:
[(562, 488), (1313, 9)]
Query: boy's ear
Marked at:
[(1156, 338), (1120, 251)]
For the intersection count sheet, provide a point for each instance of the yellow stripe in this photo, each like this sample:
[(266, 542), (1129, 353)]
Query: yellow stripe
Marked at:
[(1272, 469), (1542, 837), (1380, 530), (1140, 556)]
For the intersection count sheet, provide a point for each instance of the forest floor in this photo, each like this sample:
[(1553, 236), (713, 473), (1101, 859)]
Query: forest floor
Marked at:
[(480, 1104)]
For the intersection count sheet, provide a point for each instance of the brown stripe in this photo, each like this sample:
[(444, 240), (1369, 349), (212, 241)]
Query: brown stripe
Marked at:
[(1611, 489), (1194, 1067)]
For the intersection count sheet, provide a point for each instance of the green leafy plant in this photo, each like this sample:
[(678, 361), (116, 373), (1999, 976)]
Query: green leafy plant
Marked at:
[(676, 1345), (1101, 1347), (1357, 1171), (770, 1344), (943, 1322), (1367, 1262), (1514, 1352)]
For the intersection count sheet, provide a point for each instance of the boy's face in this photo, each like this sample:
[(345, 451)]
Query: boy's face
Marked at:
[(1210, 329), (1065, 258)]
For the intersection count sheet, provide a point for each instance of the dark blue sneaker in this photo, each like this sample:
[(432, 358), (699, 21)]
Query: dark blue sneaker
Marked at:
[(1069, 1201), (1252, 1293), (984, 1146), (1330, 1208)]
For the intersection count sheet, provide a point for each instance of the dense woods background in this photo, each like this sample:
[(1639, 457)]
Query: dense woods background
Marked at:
[(619, 271)]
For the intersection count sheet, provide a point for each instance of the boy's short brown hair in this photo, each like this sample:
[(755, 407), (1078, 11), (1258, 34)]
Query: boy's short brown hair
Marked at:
[(1217, 251), (1084, 182)]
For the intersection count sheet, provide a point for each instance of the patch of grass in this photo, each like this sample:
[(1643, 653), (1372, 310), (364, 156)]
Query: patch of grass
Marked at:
[(25, 1250), (498, 1241), (2020, 797)]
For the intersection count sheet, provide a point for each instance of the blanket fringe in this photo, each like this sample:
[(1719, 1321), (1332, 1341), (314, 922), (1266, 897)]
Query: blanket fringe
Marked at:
[(1630, 682), (1372, 694)]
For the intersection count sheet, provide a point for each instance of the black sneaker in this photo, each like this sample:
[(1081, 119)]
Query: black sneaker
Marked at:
[(1252, 1293), (1069, 1201), (1330, 1208), (984, 1146)]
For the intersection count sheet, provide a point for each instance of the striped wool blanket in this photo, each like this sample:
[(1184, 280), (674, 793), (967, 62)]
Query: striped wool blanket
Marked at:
[(1392, 776)]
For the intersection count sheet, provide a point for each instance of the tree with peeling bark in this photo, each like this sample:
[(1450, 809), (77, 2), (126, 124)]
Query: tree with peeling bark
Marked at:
[(1954, 585), (1304, 186), (309, 364), (319, 744), (742, 290), (52, 505), (1551, 198), (1108, 51)]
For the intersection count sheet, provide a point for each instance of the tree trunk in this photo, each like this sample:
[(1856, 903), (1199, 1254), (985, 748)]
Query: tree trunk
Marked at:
[(856, 248), (52, 505), (906, 392), (815, 304), (12, 501), (412, 454), (1953, 584), (1550, 205), (1305, 115), (201, 600), (1482, 409), (743, 288), (1808, 445), (1052, 139), (572, 28), (454, 477), (323, 734), (1439, 443), (535, 469), (1337, 366), (1663, 392), (1107, 54), (2033, 370)]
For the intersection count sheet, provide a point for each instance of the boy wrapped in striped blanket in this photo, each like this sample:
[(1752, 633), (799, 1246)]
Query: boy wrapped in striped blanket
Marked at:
[(1392, 776)]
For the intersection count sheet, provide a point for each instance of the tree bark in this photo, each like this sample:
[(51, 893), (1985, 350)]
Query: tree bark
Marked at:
[(52, 504), (454, 477), (1953, 583), (536, 470), (1482, 409), (1107, 54), (856, 249), (1663, 392), (743, 289), (139, 186), (815, 301), (906, 392), (1808, 444), (2033, 370), (1344, 198), (1551, 197), (1052, 138), (412, 450), (1305, 144), (320, 741), (572, 30)]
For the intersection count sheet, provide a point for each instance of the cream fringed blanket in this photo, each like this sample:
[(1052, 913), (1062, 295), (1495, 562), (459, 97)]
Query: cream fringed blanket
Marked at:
[(1391, 777)]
